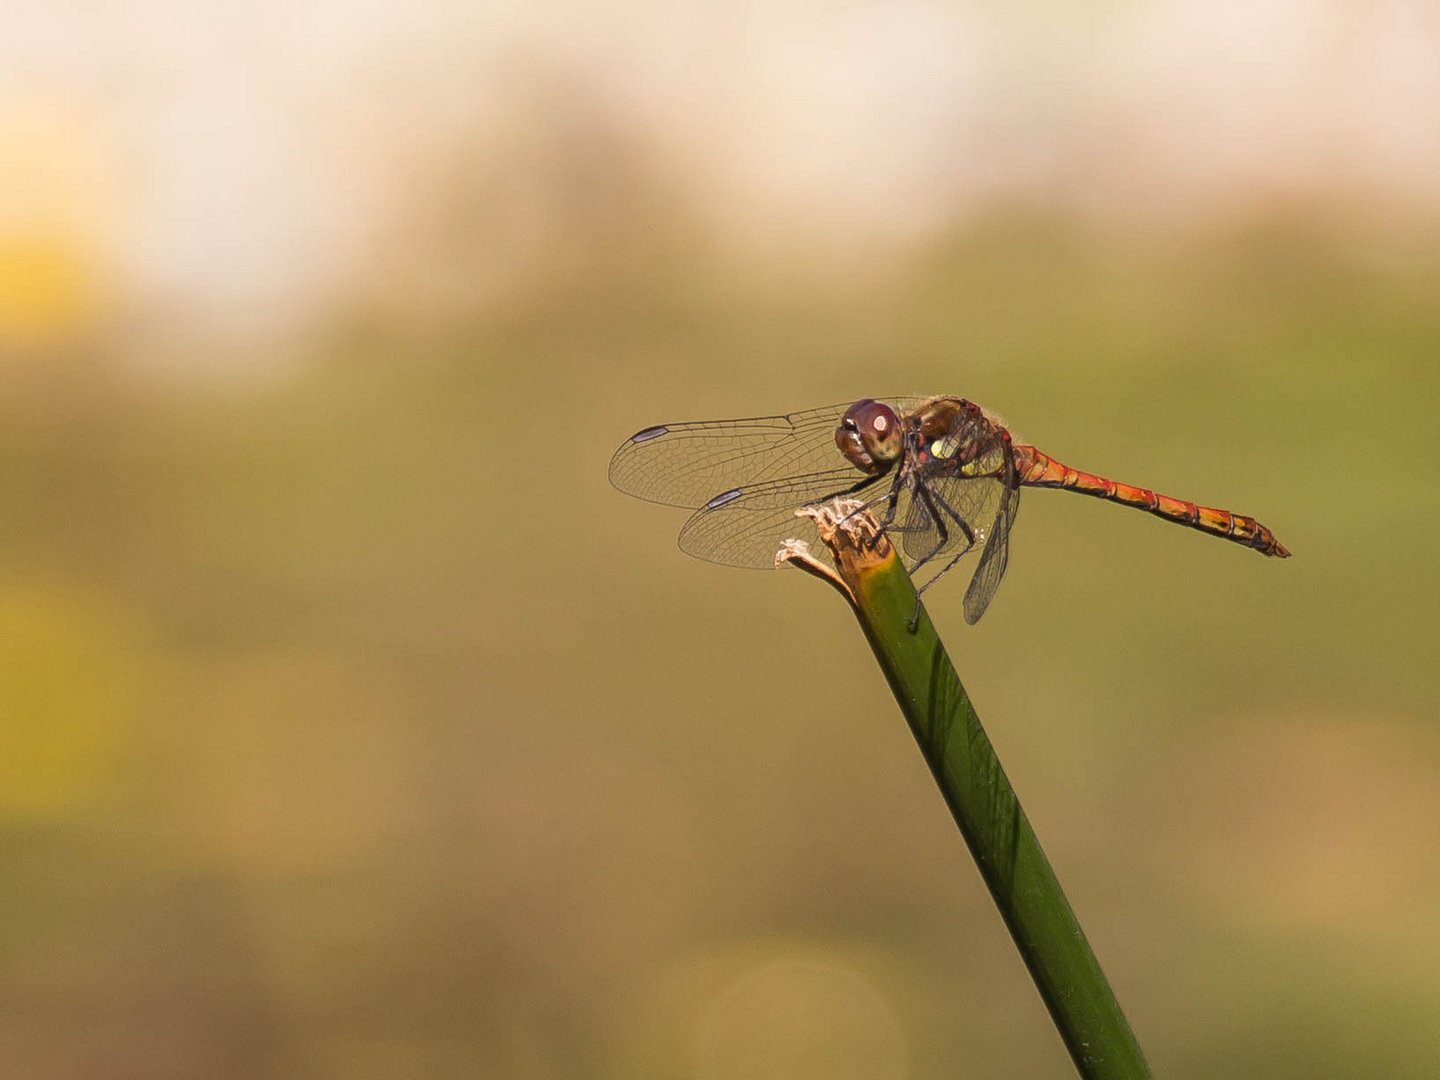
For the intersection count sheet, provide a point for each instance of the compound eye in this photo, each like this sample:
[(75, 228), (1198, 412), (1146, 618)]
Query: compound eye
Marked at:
[(878, 428), (874, 419)]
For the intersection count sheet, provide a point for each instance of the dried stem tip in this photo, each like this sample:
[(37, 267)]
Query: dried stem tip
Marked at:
[(855, 538)]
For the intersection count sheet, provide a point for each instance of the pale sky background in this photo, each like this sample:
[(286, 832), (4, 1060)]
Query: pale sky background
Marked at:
[(240, 169)]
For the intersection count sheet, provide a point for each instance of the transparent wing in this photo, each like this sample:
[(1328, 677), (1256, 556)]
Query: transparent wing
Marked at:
[(745, 526), (927, 526), (954, 509), (961, 503), (996, 555), (688, 464)]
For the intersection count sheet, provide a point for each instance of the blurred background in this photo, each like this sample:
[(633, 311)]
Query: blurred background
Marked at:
[(353, 727)]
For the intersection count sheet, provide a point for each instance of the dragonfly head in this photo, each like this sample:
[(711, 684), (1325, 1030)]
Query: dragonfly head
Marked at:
[(869, 436)]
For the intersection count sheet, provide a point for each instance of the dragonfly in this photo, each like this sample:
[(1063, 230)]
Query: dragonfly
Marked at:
[(942, 475)]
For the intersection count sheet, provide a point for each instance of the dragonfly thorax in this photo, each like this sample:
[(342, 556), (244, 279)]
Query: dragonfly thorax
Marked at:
[(870, 437)]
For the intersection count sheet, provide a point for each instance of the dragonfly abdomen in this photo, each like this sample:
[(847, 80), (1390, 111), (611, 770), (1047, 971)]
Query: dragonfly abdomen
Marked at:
[(1038, 469)]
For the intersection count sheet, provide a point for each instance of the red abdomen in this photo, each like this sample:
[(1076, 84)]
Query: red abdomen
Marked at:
[(1038, 469)]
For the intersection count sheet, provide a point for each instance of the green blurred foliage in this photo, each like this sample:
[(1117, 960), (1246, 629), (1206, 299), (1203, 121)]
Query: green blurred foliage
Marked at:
[(355, 728)]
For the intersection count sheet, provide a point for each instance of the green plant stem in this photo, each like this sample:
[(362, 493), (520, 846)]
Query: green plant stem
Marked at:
[(991, 820)]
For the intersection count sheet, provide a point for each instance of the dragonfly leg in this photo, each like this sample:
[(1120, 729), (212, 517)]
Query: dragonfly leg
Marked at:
[(932, 500), (892, 503), (928, 500), (935, 499), (853, 489), (891, 498), (955, 517), (943, 571)]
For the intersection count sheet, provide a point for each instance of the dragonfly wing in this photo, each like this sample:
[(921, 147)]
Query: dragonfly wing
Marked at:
[(960, 502), (688, 464), (918, 527), (745, 526), (996, 555)]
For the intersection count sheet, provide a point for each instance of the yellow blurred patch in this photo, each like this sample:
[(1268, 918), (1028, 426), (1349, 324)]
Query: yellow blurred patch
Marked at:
[(56, 215), (46, 292), (68, 679)]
